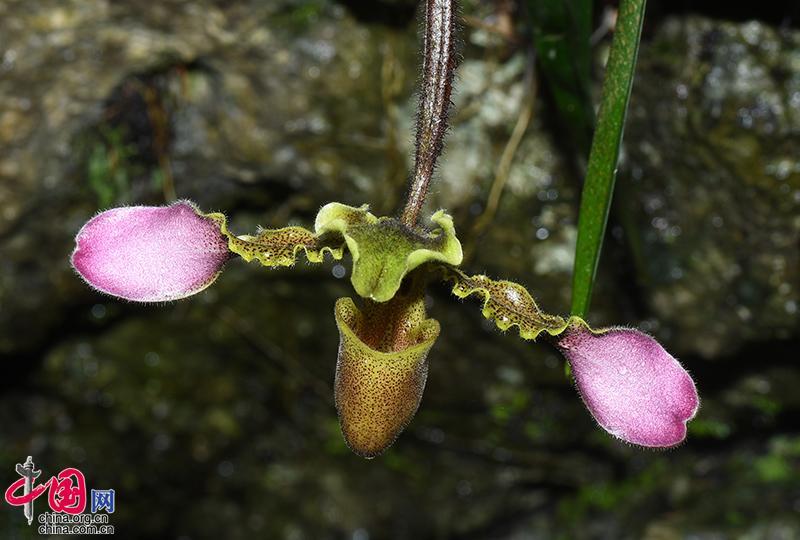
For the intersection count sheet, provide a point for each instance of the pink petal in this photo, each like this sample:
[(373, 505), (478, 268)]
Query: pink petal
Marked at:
[(150, 253), (634, 388)]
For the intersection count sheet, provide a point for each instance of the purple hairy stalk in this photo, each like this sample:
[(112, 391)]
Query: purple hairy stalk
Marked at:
[(434, 103)]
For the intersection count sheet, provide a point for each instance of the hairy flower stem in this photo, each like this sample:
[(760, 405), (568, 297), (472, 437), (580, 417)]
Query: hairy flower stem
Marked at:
[(434, 103)]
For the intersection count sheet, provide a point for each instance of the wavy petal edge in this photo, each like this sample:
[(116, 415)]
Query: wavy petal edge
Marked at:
[(278, 247), (506, 303)]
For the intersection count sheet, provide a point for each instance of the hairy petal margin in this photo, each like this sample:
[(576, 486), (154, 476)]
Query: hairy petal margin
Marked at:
[(634, 388), (150, 253)]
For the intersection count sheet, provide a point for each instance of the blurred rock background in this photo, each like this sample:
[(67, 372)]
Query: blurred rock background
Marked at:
[(213, 417)]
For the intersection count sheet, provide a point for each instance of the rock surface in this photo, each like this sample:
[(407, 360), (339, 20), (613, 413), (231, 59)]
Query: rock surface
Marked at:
[(713, 183)]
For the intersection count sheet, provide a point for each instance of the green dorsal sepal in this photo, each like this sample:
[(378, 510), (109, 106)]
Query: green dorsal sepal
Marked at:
[(384, 250), (507, 303), (279, 247)]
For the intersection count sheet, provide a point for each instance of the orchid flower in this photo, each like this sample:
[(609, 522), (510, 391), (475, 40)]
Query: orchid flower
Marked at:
[(633, 388)]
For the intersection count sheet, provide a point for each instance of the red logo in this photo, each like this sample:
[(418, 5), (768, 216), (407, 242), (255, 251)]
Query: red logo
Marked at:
[(66, 491)]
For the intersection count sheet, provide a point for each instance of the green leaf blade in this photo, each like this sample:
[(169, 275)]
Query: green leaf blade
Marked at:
[(604, 155)]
